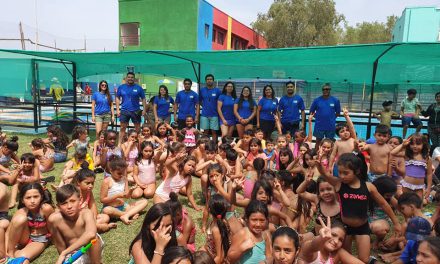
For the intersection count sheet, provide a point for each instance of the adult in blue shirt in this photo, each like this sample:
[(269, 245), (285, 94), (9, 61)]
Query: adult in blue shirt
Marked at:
[(225, 109), (245, 109), (186, 104), (208, 99), (325, 108), (267, 109), (289, 107), (102, 108), (130, 93), (161, 105)]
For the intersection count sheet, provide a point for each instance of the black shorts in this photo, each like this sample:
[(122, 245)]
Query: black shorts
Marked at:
[(292, 127), (360, 230), (135, 116), (267, 126)]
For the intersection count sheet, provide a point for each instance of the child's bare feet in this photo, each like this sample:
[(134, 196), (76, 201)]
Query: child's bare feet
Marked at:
[(135, 217), (125, 219)]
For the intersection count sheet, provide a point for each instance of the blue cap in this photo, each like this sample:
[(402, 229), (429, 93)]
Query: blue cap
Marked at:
[(371, 141), (418, 229)]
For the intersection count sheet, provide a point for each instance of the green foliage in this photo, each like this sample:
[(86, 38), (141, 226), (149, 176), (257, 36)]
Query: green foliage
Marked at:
[(369, 32)]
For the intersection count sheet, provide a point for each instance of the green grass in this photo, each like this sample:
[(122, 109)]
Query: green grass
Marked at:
[(117, 240)]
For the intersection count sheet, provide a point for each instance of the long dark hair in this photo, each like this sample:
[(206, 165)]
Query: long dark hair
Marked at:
[(218, 207), (166, 91), (148, 244), (418, 138), (61, 137), (45, 195), (384, 185), (107, 92), (140, 156), (233, 93), (11, 144), (268, 86), (177, 253), (250, 99), (356, 163), (285, 152), (267, 187)]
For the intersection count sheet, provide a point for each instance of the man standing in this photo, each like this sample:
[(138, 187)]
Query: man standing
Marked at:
[(325, 108), (57, 92), (129, 93), (208, 99), (186, 104), (289, 107)]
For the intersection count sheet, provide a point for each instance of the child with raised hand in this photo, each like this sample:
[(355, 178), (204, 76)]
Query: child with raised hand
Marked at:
[(97, 148), (324, 152), (252, 244), (110, 149), (354, 194), (73, 227), (80, 138), (327, 246), (156, 235), (255, 151), (114, 191), (189, 134), (386, 115), (177, 180), (28, 234), (27, 172), (418, 164), (59, 140), (73, 165), (242, 146), (84, 180), (346, 143), (285, 245), (44, 154), (165, 132), (183, 223), (130, 148), (147, 135), (218, 235), (396, 165), (144, 172)]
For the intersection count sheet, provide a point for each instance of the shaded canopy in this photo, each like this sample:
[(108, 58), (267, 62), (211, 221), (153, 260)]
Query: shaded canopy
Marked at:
[(416, 63)]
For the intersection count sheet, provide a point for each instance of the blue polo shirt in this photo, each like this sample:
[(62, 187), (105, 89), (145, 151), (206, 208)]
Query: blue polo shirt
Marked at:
[(101, 103), (409, 254), (163, 106), (227, 106), (326, 109), (289, 106), (208, 99), (130, 95), (268, 108), (245, 111), (187, 104)]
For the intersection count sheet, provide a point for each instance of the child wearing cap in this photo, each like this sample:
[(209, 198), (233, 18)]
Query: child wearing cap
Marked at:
[(386, 114), (417, 230)]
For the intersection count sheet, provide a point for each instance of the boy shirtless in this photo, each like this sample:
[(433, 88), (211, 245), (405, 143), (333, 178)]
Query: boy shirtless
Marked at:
[(379, 152), (242, 147), (73, 227), (346, 144)]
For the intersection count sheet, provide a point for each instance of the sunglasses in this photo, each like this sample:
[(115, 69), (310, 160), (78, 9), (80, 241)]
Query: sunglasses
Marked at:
[(326, 89), (103, 85)]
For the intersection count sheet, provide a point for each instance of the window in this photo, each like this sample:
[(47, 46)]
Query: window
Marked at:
[(214, 35), (238, 43), (130, 34), (220, 37), (206, 31)]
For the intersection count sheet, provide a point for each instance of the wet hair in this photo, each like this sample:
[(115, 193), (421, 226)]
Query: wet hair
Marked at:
[(187, 159), (399, 139), (234, 93), (434, 245), (116, 162), (270, 141), (202, 257), (45, 195), (326, 140), (227, 140), (268, 86), (288, 232), (418, 138), (166, 91), (267, 187), (255, 141), (340, 126), (140, 156), (148, 244), (77, 131), (11, 144), (258, 130), (61, 137), (410, 198), (175, 147), (311, 153), (64, 192), (337, 224), (286, 177), (411, 91), (383, 185), (285, 152), (250, 99), (176, 253), (320, 180), (231, 154), (149, 126), (174, 204), (83, 174), (80, 154), (211, 146), (356, 163), (301, 132), (258, 165), (382, 129), (248, 132), (202, 140), (218, 207), (129, 133), (38, 143), (157, 129), (107, 92), (256, 206), (28, 157)]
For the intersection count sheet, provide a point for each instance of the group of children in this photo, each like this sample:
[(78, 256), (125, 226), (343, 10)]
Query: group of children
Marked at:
[(300, 204)]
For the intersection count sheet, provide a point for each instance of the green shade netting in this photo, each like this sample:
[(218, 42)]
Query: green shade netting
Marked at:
[(417, 63)]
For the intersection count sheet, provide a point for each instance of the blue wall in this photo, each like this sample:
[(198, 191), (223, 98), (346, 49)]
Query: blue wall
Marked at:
[(206, 16), (418, 24)]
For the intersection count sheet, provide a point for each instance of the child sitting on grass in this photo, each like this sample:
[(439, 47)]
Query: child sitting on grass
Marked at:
[(44, 154)]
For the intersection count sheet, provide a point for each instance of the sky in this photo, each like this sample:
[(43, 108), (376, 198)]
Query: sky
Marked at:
[(94, 23)]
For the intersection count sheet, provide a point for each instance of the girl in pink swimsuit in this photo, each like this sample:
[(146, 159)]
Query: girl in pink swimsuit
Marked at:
[(131, 151)]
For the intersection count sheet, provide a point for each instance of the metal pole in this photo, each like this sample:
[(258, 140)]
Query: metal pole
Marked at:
[(74, 89), (34, 89)]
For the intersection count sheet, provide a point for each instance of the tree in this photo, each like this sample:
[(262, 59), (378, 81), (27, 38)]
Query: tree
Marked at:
[(367, 32), (300, 23)]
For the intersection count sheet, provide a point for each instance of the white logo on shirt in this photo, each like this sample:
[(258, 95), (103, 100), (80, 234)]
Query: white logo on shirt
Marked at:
[(135, 91), (295, 102), (191, 96), (213, 94), (332, 105), (274, 103)]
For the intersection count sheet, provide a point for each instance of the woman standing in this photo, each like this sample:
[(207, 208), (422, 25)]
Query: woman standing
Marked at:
[(267, 109), (161, 105), (245, 109), (225, 109), (102, 108), (433, 112)]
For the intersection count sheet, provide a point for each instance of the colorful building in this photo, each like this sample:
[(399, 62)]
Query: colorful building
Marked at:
[(418, 24), (181, 25)]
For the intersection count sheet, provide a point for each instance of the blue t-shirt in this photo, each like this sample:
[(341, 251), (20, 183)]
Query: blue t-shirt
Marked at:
[(101, 103), (326, 109), (289, 106), (208, 99), (130, 95), (245, 111), (268, 108), (187, 104), (227, 106), (163, 106), (409, 254)]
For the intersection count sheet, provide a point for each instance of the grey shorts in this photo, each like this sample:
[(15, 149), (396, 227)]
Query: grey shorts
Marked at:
[(104, 118), (209, 123)]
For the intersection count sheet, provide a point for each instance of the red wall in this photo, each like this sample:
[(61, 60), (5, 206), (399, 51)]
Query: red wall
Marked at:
[(221, 21)]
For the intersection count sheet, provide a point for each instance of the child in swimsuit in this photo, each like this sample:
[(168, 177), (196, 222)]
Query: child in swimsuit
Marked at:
[(147, 135), (8, 156), (97, 148), (73, 165), (28, 228), (285, 245), (110, 149), (189, 134), (44, 154), (130, 148)]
